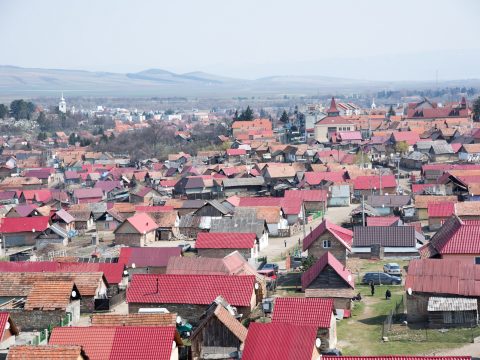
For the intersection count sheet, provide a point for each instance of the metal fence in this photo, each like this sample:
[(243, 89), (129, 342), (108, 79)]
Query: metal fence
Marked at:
[(395, 315)]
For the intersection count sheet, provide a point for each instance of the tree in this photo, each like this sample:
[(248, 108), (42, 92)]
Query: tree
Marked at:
[(42, 136), (3, 111), (235, 117), (42, 120), (476, 109), (401, 147), (391, 112), (72, 139), (362, 158), (246, 115), (284, 118), (21, 109)]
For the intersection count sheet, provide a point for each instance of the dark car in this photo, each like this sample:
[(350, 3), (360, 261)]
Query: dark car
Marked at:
[(332, 352), (379, 278), (270, 266)]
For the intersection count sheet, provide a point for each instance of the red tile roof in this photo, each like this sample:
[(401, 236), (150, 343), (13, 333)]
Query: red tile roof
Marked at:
[(118, 343), (350, 135), (345, 236), (113, 271), (443, 276), (24, 224), (457, 237), (145, 257), (303, 311), (306, 195), (368, 182), (88, 193), (327, 259), (190, 289), (315, 178), (382, 220), (396, 357), (225, 240), (441, 209), (289, 206), (142, 222), (410, 137), (236, 152), (279, 341)]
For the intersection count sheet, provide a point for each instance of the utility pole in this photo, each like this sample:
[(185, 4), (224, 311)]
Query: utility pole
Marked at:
[(381, 190), (398, 174), (363, 210)]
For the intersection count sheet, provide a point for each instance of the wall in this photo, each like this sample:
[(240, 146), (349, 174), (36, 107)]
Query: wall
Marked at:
[(31, 320), (338, 250), (417, 305)]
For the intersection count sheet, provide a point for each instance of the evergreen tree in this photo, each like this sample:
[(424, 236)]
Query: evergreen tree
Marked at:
[(22, 109), (284, 118), (390, 112), (3, 111), (247, 115), (72, 139), (476, 109)]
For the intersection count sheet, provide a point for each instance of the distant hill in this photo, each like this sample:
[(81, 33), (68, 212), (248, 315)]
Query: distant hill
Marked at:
[(43, 82)]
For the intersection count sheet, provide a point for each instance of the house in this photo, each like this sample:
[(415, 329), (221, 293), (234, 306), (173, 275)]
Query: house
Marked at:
[(53, 235), (145, 319), (338, 195), (467, 210), (36, 305), (232, 264), (236, 155), (314, 201), (386, 205), (218, 245), (329, 238), (374, 184), (121, 342), (34, 352), (63, 219), (167, 222), (242, 222), (386, 241), (442, 153), (212, 209), (243, 186), (274, 218), (414, 160), (219, 334), (409, 137), (281, 341), (83, 218), (144, 195), (137, 230), (383, 221), (9, 332), (190, 295), (328, 278), (438, 213), (151, 260), (316, 312), (454, 240), (8, 197), (22, 231), (422, 201), (332, 124), (87, 196), (442, 292), (469, 152), (109, 187)]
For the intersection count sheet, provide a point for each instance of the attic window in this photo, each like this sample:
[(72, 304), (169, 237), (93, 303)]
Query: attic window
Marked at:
[(327, 244)]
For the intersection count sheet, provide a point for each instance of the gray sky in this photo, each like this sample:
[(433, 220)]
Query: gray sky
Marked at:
[(246, 38)]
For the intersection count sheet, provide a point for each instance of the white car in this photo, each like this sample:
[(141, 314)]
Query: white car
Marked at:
[(392, 269)]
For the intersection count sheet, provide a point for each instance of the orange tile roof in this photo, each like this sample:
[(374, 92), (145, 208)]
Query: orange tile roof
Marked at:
[(134, 319), (49, 295), (45, 352)]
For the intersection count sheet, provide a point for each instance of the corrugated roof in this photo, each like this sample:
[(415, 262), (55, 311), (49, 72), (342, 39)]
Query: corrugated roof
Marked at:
[(438, 303), (327, 259), (239, 182), (190, 289), (142, 222), (388, 200), (382, 220), (24, 224), (303, 311), (279, 341), (443, 276), (387, 236), (225, 240), (345, 236), (457, 237), (118, 343), (147, 257), (368, 182), (441, 209)]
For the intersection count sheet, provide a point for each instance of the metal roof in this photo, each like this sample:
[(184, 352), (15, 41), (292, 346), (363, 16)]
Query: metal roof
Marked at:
[(438, 303)]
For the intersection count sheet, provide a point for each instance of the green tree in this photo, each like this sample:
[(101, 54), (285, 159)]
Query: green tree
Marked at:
[(476, 109), (21, 109), (246, 115), (390, 112), (3, 111), (401, 147), (72, 139), (284, 118), (362, 157), (42, 136)]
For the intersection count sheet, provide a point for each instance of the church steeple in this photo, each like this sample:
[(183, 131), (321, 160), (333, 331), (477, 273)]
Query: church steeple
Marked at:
[(62, 105), (333, 111), (374, 106)]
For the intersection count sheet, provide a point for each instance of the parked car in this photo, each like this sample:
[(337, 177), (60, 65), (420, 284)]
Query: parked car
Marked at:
[(185, 247), (270, 266), (379, 278), (392, 269), (332, 352)]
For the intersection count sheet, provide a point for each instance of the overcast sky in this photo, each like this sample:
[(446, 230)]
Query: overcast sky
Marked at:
[(246, 38)]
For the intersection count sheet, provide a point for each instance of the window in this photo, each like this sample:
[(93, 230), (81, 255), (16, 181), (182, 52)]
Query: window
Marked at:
[(327, 244), (477, 260)]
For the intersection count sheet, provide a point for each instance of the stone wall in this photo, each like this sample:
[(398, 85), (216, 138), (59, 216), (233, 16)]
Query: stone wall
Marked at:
[(337, 249), (31, 320)]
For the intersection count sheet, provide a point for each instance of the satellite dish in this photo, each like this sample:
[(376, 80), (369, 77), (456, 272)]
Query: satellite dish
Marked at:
[(74, 293), (318, 342), (349, 278), (7, 325), (256, 286), (125, 272), (179, 320), (409, 291), (133, 265), (174, 344)]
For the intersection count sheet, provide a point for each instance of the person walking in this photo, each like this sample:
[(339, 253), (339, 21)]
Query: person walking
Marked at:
[(388, 294), (285, 241), (372, 288)]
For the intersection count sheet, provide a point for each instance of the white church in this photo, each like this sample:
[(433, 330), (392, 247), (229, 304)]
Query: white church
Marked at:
[(62, 105)]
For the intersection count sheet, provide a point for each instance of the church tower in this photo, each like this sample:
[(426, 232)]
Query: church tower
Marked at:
[(374, 106), (62, 105)]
